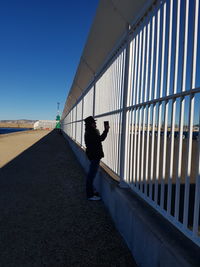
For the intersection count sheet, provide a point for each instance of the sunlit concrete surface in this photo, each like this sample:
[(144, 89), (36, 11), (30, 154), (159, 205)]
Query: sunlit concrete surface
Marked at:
[(13, 144)]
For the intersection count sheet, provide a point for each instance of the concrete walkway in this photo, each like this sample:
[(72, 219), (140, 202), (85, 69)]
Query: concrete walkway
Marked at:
[(45, 219)]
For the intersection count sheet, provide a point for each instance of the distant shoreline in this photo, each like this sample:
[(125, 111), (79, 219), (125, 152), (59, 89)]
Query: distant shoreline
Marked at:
[(6, 130), (15, 127)]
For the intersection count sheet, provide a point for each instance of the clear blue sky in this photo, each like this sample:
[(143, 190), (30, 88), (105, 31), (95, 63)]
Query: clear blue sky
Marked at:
[(41, 42)]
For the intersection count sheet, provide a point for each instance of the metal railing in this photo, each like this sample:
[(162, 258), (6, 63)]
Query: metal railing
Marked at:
[(149, 91)]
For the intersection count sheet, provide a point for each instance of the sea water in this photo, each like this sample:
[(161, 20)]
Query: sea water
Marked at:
[(12, 130)]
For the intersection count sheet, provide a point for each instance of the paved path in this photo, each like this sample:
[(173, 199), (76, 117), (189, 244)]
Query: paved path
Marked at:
[(45, 219)]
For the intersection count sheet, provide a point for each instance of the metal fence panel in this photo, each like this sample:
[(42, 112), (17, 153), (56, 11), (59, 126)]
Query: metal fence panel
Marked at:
[(159, 139)]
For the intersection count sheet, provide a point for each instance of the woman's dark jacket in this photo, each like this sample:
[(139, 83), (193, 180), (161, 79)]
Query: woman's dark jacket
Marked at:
[(93, 144)]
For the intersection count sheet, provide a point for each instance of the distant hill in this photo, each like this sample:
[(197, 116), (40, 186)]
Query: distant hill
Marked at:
[(22, 123)]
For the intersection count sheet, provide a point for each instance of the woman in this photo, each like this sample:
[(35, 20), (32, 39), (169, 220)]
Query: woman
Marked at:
[(94, 152)]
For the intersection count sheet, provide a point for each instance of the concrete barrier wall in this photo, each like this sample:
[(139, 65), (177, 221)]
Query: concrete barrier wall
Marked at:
[(152, 240)]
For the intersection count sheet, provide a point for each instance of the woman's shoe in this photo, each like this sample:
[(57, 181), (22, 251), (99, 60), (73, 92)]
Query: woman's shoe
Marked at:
[(94, 198)]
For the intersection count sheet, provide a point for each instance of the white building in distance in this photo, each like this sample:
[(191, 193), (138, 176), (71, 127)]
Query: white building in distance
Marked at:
[(44, 124)]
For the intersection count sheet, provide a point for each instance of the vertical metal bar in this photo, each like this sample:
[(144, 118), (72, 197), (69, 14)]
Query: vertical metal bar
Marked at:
[(185, 45), (132, 123), (110, 93), (120, 89), (100, 95), (135, 145), (147, 108), (169, 47), (122, 66), (163, 50), (106, 94), (180, 146), (188, 164), (143, 63), (94, 99), (173, 113), (112, 117), (147, 149), (138, 149), (115, 155), (132, 112), (96, 96), (114, 143), (154, 109), (157, 54), (118, 81), (125, 89), (160, 104), (158, 152), (197, 193), (111, 84), (191, 118), (147, 63), (131, 129), (136, 99), (177, 46), (197, 187), (178, 172), (79, 113), (75, 124), (173, 120), (164, 155), (110, 162), (114, 107), (139, 68), (113, 69), (127, 147), (140, 99), (196, 17), (167, 104), (152, 57), (117, 142), (195, 43), (82, 135), (143, 99), (142, 150), (121, 78), (152, 151), (130, 79), (135, 72), (118, 137), (169, 192)]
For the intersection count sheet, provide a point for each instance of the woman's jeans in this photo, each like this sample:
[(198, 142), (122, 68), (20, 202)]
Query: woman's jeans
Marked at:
[(94, 164)]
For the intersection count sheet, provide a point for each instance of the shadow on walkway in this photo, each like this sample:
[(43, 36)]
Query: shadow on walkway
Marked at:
[(45, 219)]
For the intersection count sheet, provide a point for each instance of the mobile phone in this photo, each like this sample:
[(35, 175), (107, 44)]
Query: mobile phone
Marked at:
[(106, 123)]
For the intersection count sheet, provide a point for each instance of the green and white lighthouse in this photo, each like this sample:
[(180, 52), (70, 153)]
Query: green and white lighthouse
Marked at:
[(58, 117)]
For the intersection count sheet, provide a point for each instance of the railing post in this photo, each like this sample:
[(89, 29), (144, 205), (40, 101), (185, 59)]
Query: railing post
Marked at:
[(94, 92), (82, 124), (123, 124)]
